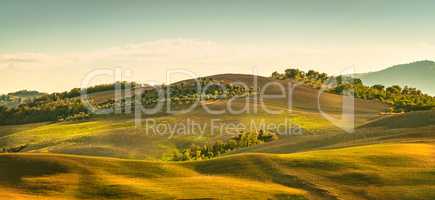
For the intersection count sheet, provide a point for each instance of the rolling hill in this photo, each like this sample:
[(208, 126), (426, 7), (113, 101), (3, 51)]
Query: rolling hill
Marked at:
[(417, 74), (406, 128), (107, 157), (117, 136), (383, 171)]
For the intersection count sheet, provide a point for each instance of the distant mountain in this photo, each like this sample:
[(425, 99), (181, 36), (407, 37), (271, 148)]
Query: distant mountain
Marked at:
[(26, 93), (420, 75)]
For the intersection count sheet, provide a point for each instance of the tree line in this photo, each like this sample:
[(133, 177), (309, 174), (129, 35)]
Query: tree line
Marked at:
[(400, 99), (66, 106), (47, 111), (185, 93), (76, 92), (208, 151)]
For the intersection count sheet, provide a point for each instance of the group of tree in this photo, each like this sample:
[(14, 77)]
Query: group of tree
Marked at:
[(207, 151), (60, 106), (204, 88), (312, 78), (57, 106), (48, 111), (182, 93), (400, 99), (76, 92)]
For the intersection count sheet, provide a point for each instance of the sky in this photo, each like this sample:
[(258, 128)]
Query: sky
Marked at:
[(54, 45)]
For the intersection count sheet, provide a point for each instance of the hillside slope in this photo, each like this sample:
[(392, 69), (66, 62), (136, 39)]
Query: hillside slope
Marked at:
[(408, 127), (118, 136), (386, 171), (380, 160), (417, 74)]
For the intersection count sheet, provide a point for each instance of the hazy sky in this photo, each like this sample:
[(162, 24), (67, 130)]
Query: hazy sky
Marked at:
[(51, 45)]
